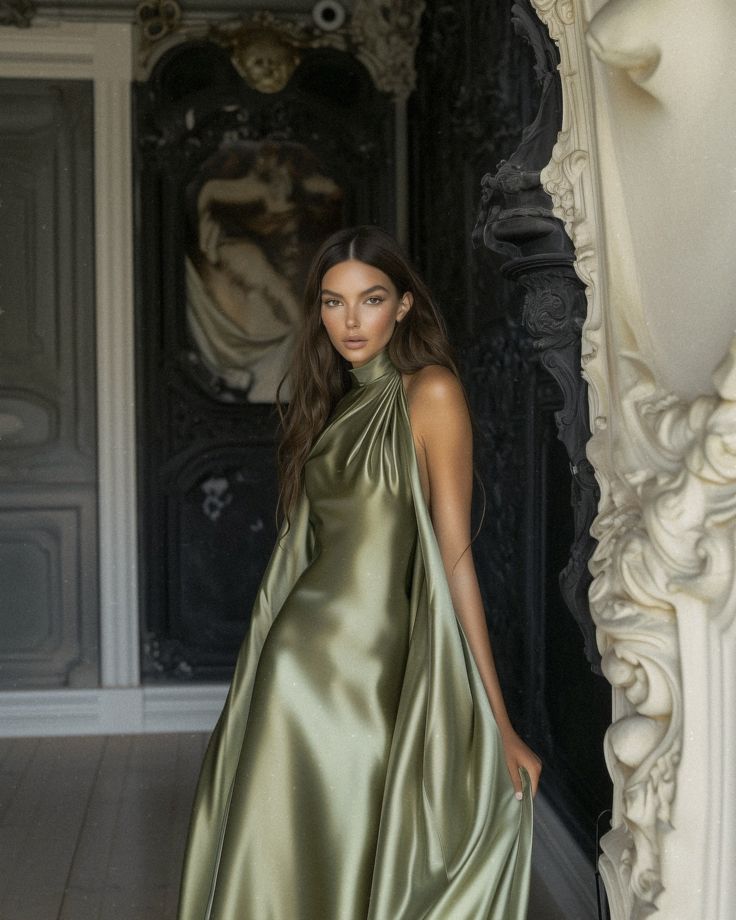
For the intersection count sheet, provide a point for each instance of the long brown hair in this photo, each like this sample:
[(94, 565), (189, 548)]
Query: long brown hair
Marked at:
[(319, 374)]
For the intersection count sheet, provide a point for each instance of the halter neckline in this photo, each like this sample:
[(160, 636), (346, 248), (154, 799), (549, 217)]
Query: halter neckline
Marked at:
[(377, 366)]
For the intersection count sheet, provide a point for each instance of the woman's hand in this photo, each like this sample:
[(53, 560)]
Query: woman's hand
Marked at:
[(519, 755)]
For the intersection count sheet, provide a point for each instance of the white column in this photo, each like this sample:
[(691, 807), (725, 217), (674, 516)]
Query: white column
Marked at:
[(119, 630)]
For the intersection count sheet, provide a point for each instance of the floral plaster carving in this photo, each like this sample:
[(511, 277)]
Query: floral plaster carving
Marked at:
[(666, 532)]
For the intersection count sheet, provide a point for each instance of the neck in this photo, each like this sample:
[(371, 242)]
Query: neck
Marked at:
[(375, 367)]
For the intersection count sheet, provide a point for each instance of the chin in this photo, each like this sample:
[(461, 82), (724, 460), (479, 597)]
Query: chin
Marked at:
[(364, 353)]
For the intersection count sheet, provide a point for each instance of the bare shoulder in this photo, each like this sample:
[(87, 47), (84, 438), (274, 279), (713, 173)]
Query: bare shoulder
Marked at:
[(433, 387), (436, 398), (440, 424)]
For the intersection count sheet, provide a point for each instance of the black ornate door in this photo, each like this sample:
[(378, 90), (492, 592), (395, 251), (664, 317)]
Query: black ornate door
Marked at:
[(236, 186)]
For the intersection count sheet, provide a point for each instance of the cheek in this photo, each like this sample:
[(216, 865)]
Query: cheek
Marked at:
[(382, 319), (331, 323)]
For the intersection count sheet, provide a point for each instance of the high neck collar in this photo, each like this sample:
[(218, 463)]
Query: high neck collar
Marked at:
[(377, 366)]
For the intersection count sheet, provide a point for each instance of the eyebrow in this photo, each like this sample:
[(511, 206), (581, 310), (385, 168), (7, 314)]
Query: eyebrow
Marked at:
[(376, 287)]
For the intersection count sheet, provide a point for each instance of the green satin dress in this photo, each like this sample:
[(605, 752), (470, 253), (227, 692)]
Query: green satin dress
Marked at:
[(356, 771)]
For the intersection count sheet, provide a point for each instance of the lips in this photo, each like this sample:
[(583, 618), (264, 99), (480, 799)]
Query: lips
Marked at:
[(354, 343)]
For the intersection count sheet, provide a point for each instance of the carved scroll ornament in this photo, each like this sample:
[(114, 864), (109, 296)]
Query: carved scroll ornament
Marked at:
[(666, 526), (385, 34), (666, 535)]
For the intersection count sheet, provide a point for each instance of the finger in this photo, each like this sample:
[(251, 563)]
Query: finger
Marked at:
[(534, 775), (516, 780), (529, 778)]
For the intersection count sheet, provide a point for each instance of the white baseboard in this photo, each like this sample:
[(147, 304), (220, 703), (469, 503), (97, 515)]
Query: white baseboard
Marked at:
[(36, 713), (562, 868)]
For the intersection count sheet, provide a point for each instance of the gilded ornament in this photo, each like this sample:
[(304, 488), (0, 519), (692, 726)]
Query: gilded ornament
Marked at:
[(264, 60), (265, 49)]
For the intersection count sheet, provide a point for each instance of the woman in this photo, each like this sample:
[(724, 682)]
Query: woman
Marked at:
[(364, 766)]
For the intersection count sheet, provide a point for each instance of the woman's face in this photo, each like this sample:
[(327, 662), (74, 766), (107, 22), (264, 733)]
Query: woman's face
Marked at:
[(359, 308)]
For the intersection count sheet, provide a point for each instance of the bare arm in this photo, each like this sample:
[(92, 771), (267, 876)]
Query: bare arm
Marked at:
[(442, 428)]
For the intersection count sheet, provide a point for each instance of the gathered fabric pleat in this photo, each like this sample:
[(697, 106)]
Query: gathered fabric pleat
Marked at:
[(356, 771)]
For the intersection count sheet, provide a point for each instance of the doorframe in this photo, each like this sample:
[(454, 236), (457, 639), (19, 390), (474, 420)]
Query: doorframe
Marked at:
[(103, 52)]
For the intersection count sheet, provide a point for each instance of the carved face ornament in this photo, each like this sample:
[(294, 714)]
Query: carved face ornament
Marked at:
[(265, 62)]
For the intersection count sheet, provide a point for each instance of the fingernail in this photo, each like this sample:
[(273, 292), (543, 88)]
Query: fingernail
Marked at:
[(519, 795)]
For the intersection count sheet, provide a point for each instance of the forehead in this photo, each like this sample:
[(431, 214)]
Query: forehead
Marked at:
[(355, 276)]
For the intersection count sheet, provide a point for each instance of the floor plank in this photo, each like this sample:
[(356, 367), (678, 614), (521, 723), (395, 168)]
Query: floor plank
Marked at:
[(15, 755), (88, 876), (44, 821), (141, 850), (94, 828)]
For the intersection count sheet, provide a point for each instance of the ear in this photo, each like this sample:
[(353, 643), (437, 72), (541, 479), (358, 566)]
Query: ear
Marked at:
[(407, 302)]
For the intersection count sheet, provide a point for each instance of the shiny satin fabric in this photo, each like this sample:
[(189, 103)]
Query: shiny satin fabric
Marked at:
[(356, 771)]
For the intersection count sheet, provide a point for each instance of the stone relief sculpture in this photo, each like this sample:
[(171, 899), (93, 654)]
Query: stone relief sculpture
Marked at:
[(261, 209), (632, 176)]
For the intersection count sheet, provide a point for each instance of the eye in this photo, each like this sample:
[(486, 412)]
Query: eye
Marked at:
[(374, 300), (330, 302)]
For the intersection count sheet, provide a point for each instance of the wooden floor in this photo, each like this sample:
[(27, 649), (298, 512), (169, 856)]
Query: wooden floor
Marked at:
[(94, 828)]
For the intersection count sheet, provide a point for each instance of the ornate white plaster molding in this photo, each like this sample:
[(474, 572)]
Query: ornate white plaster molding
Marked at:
[(572, 185), (665, 560), (667, 540)]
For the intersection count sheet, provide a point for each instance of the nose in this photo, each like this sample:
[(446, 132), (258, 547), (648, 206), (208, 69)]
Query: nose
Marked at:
[(351, 319)]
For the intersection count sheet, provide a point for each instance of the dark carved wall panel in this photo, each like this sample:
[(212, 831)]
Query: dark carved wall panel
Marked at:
[(235, 189), (554, 699), (476, 93), (48, 530)]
